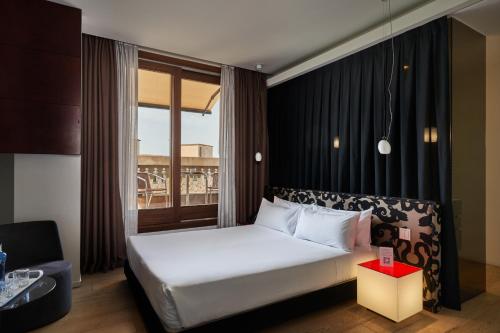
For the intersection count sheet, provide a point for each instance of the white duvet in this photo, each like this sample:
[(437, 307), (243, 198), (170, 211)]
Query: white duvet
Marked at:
[(195, 277)]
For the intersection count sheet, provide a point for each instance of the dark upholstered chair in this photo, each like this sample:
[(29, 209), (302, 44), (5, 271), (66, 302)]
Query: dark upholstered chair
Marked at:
[(36, 245)]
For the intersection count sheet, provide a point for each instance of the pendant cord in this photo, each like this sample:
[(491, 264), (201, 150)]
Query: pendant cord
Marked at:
[(392, 73)]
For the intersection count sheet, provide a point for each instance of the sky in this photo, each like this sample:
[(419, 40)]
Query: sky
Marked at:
[(154, 130)]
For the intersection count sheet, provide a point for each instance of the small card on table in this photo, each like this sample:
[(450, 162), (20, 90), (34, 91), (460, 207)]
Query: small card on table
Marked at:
[(386, 256)]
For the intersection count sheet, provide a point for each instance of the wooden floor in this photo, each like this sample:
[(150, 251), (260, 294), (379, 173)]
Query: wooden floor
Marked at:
[(104, 304)]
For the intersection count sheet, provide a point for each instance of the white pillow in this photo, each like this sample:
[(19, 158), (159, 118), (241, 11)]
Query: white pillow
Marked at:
[(328, 228), (277, 217), (363, 225), (364, 229)]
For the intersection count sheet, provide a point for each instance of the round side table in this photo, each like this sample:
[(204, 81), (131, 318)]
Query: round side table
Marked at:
[(37, 290)]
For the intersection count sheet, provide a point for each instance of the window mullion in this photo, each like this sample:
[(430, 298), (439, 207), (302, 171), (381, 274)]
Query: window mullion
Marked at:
[(176, 143)]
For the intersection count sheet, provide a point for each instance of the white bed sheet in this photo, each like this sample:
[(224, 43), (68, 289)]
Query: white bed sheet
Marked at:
[(195, 277)]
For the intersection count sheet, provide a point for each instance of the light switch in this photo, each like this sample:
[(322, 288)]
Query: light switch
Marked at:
[(404, 233)]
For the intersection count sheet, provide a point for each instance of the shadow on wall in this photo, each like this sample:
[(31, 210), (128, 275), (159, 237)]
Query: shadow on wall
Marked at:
[(47, 187)]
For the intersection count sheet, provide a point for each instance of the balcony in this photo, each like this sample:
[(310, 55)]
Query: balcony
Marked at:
[(199, 181)]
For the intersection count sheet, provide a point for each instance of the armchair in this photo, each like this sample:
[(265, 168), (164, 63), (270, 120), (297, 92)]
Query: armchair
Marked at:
[(36, 245)]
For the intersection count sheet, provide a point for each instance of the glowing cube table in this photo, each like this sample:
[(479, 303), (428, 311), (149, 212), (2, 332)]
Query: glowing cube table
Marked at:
[(394, 292)]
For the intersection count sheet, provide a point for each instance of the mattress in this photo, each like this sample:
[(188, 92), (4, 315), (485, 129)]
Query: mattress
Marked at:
[(195, 277)]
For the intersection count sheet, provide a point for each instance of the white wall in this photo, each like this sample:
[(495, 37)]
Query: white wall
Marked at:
[(492, 149), (47, 187)]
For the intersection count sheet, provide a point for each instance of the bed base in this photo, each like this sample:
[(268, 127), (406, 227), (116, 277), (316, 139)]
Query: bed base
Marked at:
[(151, 320), (251, 321)]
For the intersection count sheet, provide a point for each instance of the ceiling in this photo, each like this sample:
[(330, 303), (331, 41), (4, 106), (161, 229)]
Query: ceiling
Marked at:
[(483, 17), (277, 33)]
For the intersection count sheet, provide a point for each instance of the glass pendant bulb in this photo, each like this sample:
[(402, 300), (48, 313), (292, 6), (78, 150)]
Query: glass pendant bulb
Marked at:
[(384, 147)]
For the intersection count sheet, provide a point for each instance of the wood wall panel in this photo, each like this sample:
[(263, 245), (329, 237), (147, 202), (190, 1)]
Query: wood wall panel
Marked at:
[(39, 76), (41, 25), (40, 70), (39, 128)]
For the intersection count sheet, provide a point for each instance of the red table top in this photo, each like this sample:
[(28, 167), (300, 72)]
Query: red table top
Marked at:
[(398, 270)]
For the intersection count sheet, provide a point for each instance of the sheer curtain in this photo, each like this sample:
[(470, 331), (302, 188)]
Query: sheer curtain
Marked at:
[(227, 190), (126, 58)]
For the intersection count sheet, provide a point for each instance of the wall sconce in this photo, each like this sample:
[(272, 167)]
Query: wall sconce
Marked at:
[(336, 143), (430, 135), (258, 157)]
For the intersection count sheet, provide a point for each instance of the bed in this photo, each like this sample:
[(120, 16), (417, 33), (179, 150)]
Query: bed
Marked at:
[(188, 279), (192, 278)]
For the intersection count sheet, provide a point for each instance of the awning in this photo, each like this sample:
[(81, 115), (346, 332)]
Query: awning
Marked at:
[(155, 91)]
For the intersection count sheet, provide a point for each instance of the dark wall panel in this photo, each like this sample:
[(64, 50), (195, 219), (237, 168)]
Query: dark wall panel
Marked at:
[(6, 188), (468, 54), (41, 25), (37, 128), (39, 76), (40, 86)]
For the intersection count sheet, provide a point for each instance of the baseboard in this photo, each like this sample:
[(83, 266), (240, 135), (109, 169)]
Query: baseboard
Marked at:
[(490, 262), (77, 284)]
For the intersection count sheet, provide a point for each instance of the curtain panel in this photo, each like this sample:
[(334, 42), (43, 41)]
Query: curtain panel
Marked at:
[(127, 66), (102, 234), (227, 191), (250, 96), (324, 127)]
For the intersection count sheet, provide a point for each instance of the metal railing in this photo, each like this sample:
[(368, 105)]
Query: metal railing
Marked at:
[(155, 182)]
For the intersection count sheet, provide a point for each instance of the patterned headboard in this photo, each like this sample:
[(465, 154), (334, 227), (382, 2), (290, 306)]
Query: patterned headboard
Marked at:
[(420, 216)]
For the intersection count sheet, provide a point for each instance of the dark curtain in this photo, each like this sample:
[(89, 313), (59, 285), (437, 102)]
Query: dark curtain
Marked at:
[(344, 104), (250, 101), (102, 235)]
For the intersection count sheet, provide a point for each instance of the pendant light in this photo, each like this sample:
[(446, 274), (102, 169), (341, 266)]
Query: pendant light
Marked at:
[(384, 146)]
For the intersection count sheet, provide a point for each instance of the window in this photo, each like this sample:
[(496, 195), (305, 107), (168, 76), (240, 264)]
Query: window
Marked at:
[(154, 170), (199, 143), (178, 147)]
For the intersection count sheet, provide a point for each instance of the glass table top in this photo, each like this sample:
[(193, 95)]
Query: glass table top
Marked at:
[(37, 290)]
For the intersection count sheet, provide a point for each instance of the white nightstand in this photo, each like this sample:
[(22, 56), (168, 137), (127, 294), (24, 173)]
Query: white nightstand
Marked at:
[(394, 292)]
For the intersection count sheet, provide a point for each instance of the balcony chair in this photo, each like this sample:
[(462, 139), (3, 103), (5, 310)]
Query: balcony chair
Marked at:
[(145, 188)]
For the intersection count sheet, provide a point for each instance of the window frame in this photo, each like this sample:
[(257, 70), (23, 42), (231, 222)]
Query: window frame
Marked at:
[(176, 216)]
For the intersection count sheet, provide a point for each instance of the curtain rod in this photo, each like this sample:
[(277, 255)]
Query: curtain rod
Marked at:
[(179, 56), (167, 54), (190, 65)]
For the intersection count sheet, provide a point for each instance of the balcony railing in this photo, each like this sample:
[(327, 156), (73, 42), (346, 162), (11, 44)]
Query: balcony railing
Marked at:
[(199, 186)]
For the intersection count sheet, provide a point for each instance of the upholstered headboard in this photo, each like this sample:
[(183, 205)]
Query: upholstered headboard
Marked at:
[(420, 216)]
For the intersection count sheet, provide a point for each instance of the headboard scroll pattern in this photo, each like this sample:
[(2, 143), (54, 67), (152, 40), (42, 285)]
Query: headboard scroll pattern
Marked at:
[(420, 216)]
